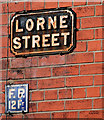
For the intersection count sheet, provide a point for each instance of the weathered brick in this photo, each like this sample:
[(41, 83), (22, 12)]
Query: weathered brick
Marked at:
[(3, 7), (79, 81), (32, 83), (102, 91), (37, 95), (102, 44), (37, 72), (76, 3), (100, 10), (79, 58), (16, 6), (38, 5), (3, 41), (50, 4), (65, 3), (85, 34), (64, 71), (50, 83), (99, 57), (32, 107), (80, 47), (79, 93), (84, 11), (94, 45), (92, 22), (27, 5), (93, 92), (65, 115), (78, 104), (51, 60), (50, 94), (65, 94), (37, 115), (91, 114), (3, 19), (91, 2), (98, 103), (91, 69), (99, 80), (99, 33), (16, 74), (2, 74), (4, 30), (51, 106)]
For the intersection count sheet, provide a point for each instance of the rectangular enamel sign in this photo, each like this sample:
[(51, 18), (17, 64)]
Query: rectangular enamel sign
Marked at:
[(16, 98), (43, 32)]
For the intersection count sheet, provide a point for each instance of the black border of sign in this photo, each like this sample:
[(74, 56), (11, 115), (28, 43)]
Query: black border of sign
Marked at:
[(27, 91), (49, 53)]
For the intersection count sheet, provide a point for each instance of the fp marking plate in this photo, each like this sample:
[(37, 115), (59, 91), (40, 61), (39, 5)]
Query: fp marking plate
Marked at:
[(16, 98)]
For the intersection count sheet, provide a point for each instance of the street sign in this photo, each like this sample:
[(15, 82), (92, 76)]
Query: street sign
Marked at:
[(43, 32), (16, 98)]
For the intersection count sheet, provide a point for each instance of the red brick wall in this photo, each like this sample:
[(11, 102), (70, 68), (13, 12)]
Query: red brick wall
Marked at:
[(68, 86)]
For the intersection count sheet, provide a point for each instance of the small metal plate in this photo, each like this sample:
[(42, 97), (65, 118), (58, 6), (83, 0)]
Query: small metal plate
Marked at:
[(16, 98), (43, 32)]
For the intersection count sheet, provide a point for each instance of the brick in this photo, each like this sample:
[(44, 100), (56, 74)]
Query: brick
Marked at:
[(2, 97), (37, 115), (79, 93), (76, 3), (94, 45), (51, 106), (27, 5), (16, 6), (37, 95), (32, 107), (3, 52), (85, 34), (65, 94), (99, 33), (2, 108), (102, 91), (4, 30), (3, 41), (38, 5), (92, 22), (64, 71), (79, 81), (91, 114), (2, 74), (51, 60), (84, 11), (4, 64), (51, 83), (99, 57), (3, 7), (3, 19), (100, 10), (91, 2), (98, 103), (37, 72), (50, 94), (23, 62), (78, 104), (65, 115), (91, 69), (51, 4), (80, 47), (99, 80), (20, 117), (10, 54), (102, 44), (32, 83), (78, 23), (65, 3), (16, 74), (91, 92), (79, 58)]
